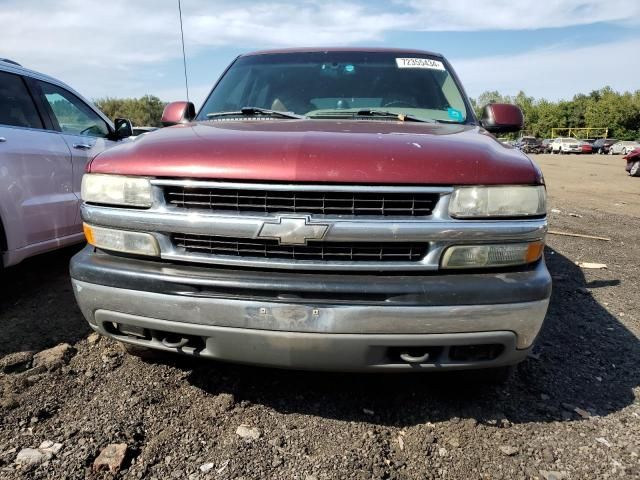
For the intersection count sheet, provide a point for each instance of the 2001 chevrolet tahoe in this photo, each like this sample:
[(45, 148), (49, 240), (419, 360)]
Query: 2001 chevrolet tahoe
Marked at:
[(336, 209)]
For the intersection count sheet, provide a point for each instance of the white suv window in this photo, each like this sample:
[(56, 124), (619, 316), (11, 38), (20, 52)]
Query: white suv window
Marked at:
[(16, 105), (72, 114)]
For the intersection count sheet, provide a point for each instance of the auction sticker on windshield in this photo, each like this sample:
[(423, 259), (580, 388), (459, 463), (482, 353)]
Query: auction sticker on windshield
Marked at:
[(419, 63)]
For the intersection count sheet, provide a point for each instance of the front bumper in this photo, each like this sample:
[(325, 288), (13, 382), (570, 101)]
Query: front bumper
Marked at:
[(315, 321)]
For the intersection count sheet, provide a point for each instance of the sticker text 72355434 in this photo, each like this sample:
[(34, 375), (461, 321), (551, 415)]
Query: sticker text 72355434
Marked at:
[(419, 63)]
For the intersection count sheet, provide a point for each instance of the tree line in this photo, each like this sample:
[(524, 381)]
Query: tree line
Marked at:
[(145, 111), (604, 108), (619, 112)]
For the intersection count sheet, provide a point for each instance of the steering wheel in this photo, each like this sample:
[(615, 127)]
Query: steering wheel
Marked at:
[(399, 103), (92, 127)]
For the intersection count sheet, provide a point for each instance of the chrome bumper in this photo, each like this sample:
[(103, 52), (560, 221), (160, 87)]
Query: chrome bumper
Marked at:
[(316, 337)]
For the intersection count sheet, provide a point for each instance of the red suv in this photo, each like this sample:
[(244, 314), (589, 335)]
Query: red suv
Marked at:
[(337, 209)]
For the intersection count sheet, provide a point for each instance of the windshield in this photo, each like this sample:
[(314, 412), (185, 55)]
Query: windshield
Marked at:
[(339, 85)]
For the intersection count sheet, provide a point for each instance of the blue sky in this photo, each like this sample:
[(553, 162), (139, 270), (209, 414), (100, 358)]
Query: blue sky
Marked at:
[(550, 49)]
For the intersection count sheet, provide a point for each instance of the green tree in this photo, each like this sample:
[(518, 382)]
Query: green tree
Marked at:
[(604, 108), (143, 111), (529, 110)]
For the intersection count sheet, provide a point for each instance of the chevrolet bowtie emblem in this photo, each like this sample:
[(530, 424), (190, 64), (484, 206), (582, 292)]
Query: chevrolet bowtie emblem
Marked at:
[(293, 230)]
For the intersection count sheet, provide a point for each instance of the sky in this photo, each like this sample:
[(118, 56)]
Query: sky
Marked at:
[(128, 48)]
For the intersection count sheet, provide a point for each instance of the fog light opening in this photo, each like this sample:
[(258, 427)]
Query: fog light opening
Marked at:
[(475, 353)]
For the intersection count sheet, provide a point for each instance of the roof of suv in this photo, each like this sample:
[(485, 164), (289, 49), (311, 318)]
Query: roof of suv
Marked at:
[(342, 49), (8, 60), (10, 66)]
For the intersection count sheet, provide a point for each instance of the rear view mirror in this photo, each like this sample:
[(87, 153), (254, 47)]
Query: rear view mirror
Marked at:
[(178, 112), (124, 127), (502, 118)]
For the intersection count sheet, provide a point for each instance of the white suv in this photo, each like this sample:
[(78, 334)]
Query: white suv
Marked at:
[(48, 133), (566, 145)]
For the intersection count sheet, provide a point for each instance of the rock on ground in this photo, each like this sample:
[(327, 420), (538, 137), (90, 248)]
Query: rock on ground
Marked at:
[(15, 362), (29, 458), (111, 458), (53, 357), (248, 433)]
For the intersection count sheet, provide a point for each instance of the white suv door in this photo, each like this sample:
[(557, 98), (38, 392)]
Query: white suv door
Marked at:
[(85, 132), (37, 203)]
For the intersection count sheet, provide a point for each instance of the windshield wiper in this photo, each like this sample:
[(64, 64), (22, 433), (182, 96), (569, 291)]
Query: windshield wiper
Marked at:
[(249, 111), (369, 113), (452, 122), (403, 117)]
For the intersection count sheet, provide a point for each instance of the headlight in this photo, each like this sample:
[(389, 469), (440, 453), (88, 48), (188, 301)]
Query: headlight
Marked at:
[(116, 190), (498, 201), (482, 256), (137, 243)]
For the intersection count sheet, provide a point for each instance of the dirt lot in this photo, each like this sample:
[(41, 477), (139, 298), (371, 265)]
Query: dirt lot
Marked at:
[(571, 411)]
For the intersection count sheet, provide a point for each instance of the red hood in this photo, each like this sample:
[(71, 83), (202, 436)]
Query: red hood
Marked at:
[(632, 154), (370, 152)]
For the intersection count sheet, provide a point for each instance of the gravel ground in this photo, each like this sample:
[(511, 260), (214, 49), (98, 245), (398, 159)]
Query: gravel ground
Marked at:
[(570, 412)]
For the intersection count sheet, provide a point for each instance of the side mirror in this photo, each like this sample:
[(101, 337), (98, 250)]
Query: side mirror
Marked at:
[(178, 112), (502, 118), (124, 127)]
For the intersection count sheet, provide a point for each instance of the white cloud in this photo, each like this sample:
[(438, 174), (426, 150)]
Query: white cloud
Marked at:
[(554, 73), (124, 47), (471, 15)]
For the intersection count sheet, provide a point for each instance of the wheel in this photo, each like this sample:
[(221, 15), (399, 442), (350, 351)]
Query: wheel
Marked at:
[(635, 169), (610, 151), (600, 151), (624, 151), (560, 151)]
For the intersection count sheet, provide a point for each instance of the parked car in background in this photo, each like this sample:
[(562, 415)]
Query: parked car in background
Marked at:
[(623, 147), (546, 145), (528, 145), (633, 162), (601, 145), (48, 133), (586, 146), (380, 255), (562, 145)]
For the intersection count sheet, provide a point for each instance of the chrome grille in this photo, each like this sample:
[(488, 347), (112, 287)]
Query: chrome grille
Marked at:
[(314, 250), (360, 203)]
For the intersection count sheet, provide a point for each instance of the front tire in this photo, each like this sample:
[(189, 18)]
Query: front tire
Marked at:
[(635, 169)]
